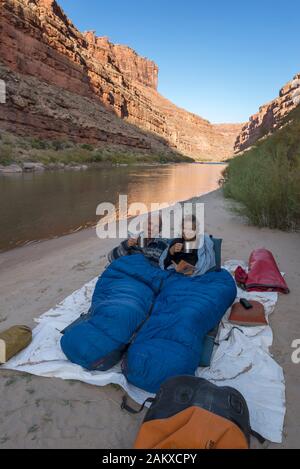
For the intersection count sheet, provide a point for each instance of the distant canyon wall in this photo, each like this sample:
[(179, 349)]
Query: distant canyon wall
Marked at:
[(270, 116), (97, 91)]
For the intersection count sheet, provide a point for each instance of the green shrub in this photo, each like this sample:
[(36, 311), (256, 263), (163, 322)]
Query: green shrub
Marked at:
[(58, 145), (6, 138), (6, 154), (266, 179), (39, 144), (97, 157), (87, 146)]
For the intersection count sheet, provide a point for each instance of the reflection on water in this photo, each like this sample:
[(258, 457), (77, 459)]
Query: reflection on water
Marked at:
[(44, 205)]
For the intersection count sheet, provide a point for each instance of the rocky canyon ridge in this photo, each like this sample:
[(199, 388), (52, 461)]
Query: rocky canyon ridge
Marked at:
[(270, 116), (64, 84)]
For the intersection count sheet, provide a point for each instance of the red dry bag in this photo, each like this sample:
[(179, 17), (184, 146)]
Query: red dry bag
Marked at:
[(264, 274)]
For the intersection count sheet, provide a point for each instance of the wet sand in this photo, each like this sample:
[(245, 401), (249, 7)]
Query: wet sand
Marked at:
[(51, 413)]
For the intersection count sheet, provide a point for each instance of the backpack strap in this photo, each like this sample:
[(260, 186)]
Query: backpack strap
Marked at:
[(256, 435), (125, 406)]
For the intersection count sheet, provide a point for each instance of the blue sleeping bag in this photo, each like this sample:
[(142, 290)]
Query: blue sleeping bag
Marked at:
[(123, 297), (170, 342), (164, 316)]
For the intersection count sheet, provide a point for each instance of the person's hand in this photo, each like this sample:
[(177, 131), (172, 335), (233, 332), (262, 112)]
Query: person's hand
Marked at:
[(132, 242), (184, 268), (176, 248)]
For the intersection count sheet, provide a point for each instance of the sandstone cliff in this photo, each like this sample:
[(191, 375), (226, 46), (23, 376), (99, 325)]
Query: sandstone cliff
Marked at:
[(125, 59), (63, 83), (270, 116)]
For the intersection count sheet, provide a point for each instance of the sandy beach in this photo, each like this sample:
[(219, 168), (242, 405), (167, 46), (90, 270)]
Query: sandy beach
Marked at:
[(51, 413)]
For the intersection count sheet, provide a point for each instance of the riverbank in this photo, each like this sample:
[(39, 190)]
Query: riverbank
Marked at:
[(119, 161), (49, 413), (27, 154)]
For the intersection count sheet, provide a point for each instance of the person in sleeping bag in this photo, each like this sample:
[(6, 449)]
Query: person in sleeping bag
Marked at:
[(189, 255), (149, 242)]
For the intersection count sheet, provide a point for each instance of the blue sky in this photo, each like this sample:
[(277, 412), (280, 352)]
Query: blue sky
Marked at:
[(221, 59)]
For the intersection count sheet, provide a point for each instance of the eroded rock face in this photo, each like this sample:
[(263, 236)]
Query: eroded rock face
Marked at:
[(126, 60), (39, 109), (39, 45), (270, 116)]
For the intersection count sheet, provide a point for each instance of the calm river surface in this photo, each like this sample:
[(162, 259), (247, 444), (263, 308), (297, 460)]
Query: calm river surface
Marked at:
[(45, 205)]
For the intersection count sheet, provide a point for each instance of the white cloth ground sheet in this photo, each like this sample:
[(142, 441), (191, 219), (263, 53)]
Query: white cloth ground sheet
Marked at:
[(242, 359)]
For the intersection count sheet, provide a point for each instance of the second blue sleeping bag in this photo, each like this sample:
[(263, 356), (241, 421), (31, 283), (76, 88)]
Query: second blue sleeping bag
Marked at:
[(170, 342)]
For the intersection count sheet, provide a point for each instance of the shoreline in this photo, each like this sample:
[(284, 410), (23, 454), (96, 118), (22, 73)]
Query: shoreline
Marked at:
[(15, 168), (35, 277)]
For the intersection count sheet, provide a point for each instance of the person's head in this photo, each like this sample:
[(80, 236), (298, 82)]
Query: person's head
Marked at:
[(153, 225), (189, 227)]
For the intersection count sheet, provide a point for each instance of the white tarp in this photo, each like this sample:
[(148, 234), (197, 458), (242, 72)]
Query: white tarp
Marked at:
[(242, 360)]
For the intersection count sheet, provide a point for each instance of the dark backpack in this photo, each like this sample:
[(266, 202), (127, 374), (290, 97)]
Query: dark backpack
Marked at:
[(191, 403)]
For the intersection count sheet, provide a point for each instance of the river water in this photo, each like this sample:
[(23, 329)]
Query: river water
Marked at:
[(44, 205)]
